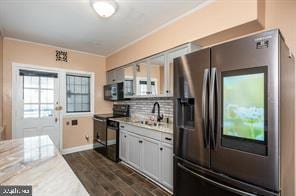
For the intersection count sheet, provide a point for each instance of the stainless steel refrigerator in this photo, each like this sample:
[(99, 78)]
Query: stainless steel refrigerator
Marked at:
[(234, 119)]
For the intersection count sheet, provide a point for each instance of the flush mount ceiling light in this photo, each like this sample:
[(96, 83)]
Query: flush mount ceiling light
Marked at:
[(104, 8)]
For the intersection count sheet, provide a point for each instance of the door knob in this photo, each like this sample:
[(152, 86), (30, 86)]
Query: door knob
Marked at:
[(58, 108)]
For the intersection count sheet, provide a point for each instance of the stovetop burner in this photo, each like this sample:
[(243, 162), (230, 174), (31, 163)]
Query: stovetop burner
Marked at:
[(119, 110)]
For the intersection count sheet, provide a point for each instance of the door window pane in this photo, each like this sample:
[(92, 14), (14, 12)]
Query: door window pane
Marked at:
[(31, 110), (31, 82), (47, 83), (46, 110), (31, 96), (47, 96), (78, 93), (38, 95)]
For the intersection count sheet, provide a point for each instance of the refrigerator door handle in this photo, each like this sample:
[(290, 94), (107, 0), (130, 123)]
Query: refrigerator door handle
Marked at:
[(217, 184), (212, 106), (205, 107)]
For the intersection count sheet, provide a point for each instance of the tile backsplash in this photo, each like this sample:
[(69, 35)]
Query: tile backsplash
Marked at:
[(144, 106)]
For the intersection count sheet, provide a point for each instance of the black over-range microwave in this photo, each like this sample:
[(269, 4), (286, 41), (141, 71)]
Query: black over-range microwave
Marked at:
[(114, 92)]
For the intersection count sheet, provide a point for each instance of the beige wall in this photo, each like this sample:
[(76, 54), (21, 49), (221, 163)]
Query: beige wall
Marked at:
[(215, 17), (282, 14), (1, 75), (77, 135), (36, 54)]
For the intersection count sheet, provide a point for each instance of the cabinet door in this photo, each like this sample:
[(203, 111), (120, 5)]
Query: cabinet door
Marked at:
[(123, 146), (170, 67), (167, 166), (157, 81), (110, 77), (141, 73), (135, 149), (119, 75), (151, 158), (129, 78)]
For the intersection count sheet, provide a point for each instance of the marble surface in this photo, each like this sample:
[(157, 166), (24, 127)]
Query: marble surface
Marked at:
[(164, 127), (35, 161)]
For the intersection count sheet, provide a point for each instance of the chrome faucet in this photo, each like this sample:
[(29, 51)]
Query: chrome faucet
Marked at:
[(159, 117)]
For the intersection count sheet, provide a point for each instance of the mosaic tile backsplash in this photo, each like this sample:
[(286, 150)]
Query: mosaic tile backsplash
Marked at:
[(144, 106)]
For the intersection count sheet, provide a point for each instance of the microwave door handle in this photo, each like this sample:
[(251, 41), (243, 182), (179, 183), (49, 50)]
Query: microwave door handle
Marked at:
[(205, 107), (212, 106)]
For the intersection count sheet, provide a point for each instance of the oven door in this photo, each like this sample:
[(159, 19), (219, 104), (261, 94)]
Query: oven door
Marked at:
[(113, 143), (100, 135)]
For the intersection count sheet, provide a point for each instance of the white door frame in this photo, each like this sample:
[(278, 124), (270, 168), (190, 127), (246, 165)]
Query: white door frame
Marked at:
[(15, 68), (62, 72)]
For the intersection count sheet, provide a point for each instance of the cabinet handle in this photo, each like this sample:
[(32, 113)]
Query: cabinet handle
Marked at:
[(161, 149), (168, 138), (167, 91), (121, 126), (140, 142), (125, 136)]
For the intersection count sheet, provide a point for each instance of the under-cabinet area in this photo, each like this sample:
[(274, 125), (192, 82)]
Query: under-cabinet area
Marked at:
[(148, 151)]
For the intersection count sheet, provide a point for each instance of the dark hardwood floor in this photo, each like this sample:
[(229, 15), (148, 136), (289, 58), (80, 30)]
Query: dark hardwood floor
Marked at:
[(100, 176)]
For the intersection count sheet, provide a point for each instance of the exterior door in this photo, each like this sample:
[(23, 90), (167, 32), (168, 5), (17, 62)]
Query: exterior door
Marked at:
[(191, 139), (244, 109), (37, 104)]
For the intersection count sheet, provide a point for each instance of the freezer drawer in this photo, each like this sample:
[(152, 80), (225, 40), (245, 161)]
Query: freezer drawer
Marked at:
[(191, 183), (197, 181)]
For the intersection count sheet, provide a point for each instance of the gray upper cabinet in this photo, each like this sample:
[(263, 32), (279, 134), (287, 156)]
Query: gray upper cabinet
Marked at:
[(151, 77), (141, 78), (115, 76), (157, 76), (129, 80)]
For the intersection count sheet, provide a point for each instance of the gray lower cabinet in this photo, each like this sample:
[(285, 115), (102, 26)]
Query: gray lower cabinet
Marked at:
[(151, 158), (146, 151), (123, 150), (134, 150), (167, 166)]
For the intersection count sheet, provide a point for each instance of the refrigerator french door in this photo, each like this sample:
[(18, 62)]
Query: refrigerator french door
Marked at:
[(227, 118), (244, 127)]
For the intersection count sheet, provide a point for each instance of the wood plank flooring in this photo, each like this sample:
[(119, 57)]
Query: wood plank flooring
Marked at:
[(100, 176)]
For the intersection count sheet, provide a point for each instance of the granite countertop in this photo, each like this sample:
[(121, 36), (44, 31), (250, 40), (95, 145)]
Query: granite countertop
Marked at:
[(164, 127), (35, 161)]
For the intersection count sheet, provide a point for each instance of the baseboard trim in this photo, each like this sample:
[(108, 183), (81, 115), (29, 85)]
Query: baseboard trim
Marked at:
[(143, 174), (77, 149), (84, 147)]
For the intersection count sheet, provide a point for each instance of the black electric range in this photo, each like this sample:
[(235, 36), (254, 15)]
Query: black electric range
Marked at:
[(106, 132)]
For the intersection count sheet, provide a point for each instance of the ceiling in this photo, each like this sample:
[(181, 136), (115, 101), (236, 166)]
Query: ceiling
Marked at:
[(73, 24)]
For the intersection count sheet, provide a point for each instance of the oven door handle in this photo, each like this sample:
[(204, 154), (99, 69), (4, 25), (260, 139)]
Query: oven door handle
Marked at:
[(217, 184), (99, 120)]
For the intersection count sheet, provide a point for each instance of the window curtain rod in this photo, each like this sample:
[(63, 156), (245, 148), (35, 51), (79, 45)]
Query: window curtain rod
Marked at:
[(24, 72)]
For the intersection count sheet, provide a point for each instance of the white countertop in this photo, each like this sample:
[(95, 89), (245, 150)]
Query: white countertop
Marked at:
[(165, 127), (35, 161)]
